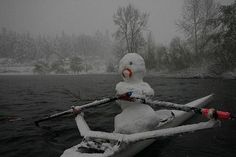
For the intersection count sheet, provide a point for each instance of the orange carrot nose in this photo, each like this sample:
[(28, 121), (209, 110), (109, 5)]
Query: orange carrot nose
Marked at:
[(127, 73)]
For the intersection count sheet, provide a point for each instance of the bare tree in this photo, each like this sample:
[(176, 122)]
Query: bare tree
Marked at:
[(149, 55), (190, 21), (209, 11), (194, 22), (131, 24)]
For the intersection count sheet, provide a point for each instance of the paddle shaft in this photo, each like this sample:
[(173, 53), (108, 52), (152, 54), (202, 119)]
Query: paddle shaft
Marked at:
[(210, 113), (53, 116), (80, 108)]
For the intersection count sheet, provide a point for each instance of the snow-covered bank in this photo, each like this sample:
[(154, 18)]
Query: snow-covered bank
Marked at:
[(29, 70), (16, 70), (193, 73), (183, 74)]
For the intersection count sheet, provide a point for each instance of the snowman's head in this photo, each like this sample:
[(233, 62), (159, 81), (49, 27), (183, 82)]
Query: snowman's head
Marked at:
[(132, 67)]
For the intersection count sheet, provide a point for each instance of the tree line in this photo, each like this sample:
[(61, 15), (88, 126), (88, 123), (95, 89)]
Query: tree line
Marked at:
[(209, 37), (58, 54), (209, 41)]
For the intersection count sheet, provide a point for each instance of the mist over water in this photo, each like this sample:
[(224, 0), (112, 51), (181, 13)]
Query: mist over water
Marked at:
[(32, 97)]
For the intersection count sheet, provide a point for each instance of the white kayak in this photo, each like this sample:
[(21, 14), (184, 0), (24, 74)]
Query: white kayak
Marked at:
[(102, 147)]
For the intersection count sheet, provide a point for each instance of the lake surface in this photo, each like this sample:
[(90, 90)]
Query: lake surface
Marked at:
[(28, 98)]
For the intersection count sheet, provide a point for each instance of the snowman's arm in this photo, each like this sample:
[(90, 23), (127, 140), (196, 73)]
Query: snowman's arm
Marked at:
[(82, 124), (85, 131), (148, 91)]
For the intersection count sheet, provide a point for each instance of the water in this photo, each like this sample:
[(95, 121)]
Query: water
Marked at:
[(29, 98)]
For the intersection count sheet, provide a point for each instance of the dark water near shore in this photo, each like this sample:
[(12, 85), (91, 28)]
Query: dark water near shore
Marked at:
[(32, 97)]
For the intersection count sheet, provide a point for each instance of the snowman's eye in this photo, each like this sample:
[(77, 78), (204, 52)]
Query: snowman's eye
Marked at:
[(130, 63)]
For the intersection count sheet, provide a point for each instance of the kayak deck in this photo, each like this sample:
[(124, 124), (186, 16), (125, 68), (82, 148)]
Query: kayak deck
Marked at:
[(92, 147)]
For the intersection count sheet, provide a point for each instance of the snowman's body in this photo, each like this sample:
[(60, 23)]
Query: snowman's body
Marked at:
[(135, 117)]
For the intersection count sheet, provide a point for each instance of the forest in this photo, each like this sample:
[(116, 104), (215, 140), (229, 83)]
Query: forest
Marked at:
[(59, 54), (207, 47)]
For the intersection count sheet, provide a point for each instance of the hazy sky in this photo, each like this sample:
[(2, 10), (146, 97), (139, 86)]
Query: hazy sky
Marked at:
[(86, 16)]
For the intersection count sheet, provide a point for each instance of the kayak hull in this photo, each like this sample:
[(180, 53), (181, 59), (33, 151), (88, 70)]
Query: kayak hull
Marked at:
[(128, 150)]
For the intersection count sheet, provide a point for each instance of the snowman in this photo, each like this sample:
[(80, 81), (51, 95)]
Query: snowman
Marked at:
[(135, 116)]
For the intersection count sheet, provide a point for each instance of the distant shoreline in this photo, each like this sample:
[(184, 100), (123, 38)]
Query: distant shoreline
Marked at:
[(191, 73), (228, 76)]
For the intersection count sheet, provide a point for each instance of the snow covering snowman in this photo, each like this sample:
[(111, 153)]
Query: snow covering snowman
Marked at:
[(135, 116)]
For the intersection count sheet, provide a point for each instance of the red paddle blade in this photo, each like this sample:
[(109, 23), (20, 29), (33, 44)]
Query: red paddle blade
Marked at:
[(212, 113)]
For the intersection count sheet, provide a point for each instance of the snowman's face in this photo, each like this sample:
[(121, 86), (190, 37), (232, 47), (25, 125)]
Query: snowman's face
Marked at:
[(132, 67)]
